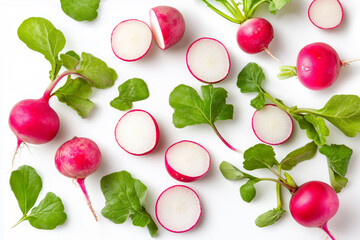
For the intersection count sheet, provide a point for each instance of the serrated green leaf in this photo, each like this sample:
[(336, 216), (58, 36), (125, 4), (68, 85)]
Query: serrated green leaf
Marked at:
[(80, 10), (259, 156), (268, 218), (299, 155), (250, 78)]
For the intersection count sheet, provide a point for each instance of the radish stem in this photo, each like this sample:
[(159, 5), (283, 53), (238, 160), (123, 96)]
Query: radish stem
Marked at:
[(47, 93), (81, 182), (222, 14), (346, 62), (271, 55), (224, 141)]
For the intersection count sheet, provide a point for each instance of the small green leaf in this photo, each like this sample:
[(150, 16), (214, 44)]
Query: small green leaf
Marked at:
[(270, 217), (248, 191), (299, 155), (26, 185), (337, 182), (338, 157), (317, 132), (230, 172), (258, 102), (80, 10), (48, 214), (250, 78), (69, 60), (132, 90), (259, 156)]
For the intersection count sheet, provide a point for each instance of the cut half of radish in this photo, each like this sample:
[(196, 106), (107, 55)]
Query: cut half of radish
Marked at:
[(167, 25), (131, 39), (208, 60), (326, 14), (187, 161), (137, 132), (178, 209), (272, 125)]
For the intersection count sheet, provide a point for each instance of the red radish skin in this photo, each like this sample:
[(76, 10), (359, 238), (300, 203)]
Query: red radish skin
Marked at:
[(318, 66), (167, 25), (78, 158), (189, 158), (176, 208), (155, 131), (313, 204), (326, 14)]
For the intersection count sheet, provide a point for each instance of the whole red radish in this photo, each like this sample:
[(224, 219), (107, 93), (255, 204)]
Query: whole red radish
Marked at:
[(313, 204), (167, 25), (78, 158)]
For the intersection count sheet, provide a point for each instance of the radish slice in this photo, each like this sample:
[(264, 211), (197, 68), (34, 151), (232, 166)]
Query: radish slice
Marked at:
[(208, 60), (167, 25), (187, 161), (272, 125), (178, 209), (131, 39), (326, 14), (137, 132)]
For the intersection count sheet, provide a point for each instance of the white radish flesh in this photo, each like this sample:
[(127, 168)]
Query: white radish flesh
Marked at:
[(272, 125), (137, 132), (178, 209), (187, 161), (131, 39), (208, 60), (326, 14)]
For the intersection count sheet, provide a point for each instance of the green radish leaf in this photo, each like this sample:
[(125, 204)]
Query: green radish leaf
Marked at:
[(26, 185), (48, 214), (258, 102), (230, 172), (248, 191), (337, 182), (132, 90), (40, 35), (80, 10), (250, 78), (299, 155), (270, 217), (70, 60), (125, 197), (259, 156), (316, 128), (75, 93), (191, 109)]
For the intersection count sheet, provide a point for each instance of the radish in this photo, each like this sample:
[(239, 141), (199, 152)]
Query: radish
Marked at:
[(208, 60), (167, 25), (272, 125), (313, 204), (326, 14), (131, 39), (178, 209), (187, 161), (137, 132), (78, 158)]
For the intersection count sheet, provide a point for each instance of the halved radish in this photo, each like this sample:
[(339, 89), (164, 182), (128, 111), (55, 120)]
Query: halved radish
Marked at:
[(178, 209), (326, 14), (131, 39), (137, 132), (272, 125), (187, 161), (167, 24), (208, 60)]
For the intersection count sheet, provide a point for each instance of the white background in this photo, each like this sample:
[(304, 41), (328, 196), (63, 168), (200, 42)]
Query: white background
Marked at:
[(24, 74)]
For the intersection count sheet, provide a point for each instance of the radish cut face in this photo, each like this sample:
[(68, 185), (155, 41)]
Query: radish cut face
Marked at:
[(272, 125), (187, 161), (208, 60), (326, 14), (178, 209), (131, 39), (137, 132)]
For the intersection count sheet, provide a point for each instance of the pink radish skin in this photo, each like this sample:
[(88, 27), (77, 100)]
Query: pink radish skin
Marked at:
[(168, 26), (281, 118), (123, 133), (189, 157), (326, 14), (172, 209), (208, 60), (255, 35), (313, 204), (78, 158), (318, 66), (131, 40)]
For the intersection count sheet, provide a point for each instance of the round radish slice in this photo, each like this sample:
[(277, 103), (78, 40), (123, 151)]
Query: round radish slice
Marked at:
[(208, 60), (178, 209), (167, 24), (137, 132), (272, 125), (131, 39), (187, 161), (326, 14)]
